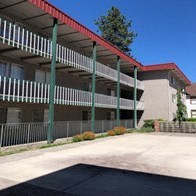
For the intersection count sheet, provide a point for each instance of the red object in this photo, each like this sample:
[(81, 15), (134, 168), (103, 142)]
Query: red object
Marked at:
[(167, 66)]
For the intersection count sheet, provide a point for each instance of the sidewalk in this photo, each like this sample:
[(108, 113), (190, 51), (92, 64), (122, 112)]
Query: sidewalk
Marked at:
[(133, 164)]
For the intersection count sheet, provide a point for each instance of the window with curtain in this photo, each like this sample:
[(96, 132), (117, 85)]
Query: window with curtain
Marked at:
[(11, 70), (42, 76), (14, 115)]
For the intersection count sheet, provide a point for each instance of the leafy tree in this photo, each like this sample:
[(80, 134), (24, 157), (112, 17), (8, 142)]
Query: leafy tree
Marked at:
[(181, 108), (116, 29)]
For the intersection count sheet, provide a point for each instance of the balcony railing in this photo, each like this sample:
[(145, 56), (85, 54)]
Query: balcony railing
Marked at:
[(28, 91), (25, 40)]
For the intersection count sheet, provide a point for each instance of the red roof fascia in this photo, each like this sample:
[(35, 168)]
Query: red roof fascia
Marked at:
[(55, 12), (167, 66)]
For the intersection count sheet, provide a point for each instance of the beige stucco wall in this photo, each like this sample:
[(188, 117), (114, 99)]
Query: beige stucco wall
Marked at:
[(155, 95), (173, 89), (158, 95)]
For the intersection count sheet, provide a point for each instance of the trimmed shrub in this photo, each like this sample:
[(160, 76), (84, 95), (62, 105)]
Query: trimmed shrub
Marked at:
[(77, 138), (119, 130), (149, 123), (88, 135), (110, 133)]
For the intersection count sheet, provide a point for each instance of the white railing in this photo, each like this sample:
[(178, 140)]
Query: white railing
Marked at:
[(25, 40), (140, 85), (16, 90), (140, 105), (16, 134)]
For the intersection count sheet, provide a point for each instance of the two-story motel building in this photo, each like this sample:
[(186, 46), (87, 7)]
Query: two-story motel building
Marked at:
[(52, 68)]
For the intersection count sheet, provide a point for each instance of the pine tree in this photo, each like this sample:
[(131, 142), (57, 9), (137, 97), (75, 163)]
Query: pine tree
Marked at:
[(116, 29)]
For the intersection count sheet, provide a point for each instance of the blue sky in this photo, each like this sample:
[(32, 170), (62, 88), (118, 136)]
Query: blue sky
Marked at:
[(166, 28)]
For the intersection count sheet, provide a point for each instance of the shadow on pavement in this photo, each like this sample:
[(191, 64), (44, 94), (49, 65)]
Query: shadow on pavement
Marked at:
[(92, 180)]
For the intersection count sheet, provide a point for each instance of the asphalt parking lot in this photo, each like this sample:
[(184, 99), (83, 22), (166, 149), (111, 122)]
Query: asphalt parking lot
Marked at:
[(132, 164)]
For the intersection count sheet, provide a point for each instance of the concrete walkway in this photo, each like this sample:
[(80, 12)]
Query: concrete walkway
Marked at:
[(133, 164)]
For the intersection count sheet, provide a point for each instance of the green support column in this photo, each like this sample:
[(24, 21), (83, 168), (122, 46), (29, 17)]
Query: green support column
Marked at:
[(52, 82), (93, 87), (118, 93), (135, 99)]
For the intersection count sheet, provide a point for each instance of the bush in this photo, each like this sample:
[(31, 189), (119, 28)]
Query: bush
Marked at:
[(149, 123), (110, 133), (119, 130), (88, 135), (191, 119), (77, 138)]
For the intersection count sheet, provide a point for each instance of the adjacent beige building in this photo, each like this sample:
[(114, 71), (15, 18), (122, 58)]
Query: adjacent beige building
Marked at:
[(160, 96)]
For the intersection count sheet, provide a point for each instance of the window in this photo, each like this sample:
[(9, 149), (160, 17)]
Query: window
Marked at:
[(14, 115), (46, 114), (193, 113), (111, 115), (3, 115), (173, 98), (193, 101), (17, 72), (40, 115), (42, 76), (11, 70), (86, 115), (87, 86), (173, 81), (111, 92)]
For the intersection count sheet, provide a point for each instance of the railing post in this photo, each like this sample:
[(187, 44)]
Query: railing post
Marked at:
[(28, 133), (102, 126), (52, 82), (93, 87), (1, 139), (67, 130), (135, 99), (81, 127), (118, 93)]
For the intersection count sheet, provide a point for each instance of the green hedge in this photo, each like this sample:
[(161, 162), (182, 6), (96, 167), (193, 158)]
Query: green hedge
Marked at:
[(191, 119), (150, 123)]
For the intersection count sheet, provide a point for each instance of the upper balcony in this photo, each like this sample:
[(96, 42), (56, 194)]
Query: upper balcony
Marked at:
[(19, 42), (16, 90)]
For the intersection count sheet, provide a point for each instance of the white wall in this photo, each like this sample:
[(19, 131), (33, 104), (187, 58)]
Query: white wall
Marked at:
[(189, 106)]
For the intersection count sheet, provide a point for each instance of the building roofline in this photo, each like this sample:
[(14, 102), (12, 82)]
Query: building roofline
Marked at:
[(61, 16), (167, 66)]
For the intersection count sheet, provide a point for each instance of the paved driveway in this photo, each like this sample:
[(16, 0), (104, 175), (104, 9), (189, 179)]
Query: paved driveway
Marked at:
[(133, 164)]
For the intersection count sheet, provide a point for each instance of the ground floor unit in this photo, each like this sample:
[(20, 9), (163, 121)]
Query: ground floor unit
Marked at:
[(32, 113)]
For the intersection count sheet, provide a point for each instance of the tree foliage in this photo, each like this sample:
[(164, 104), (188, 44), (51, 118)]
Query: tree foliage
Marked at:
[(181, 108), (116, 29)]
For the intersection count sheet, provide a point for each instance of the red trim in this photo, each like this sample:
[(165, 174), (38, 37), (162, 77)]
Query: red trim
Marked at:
[(167, 66), (55, 12)]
